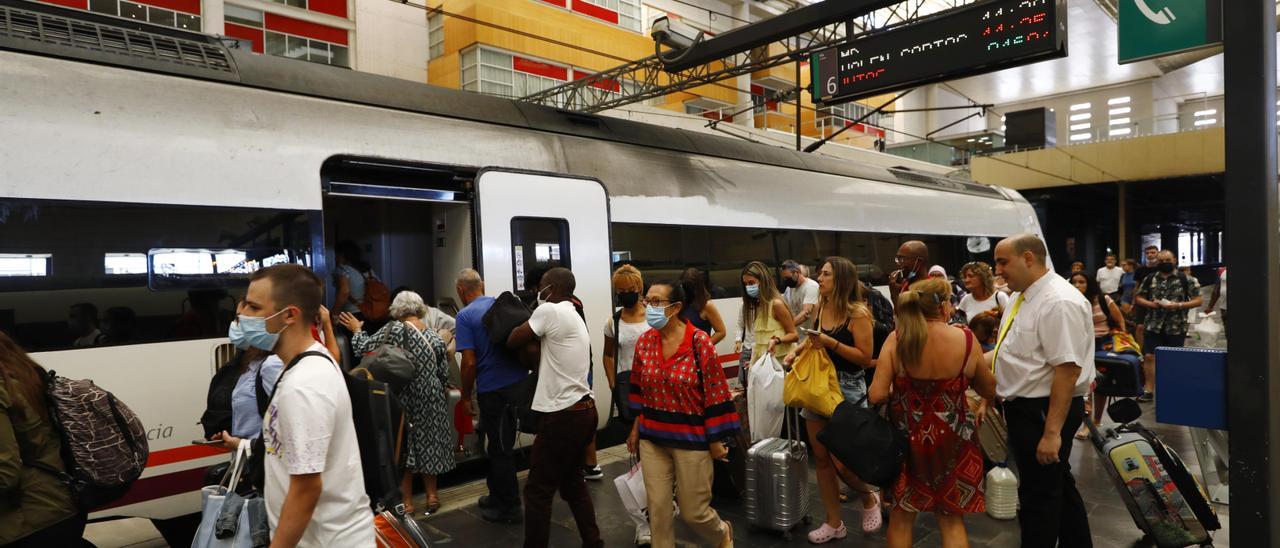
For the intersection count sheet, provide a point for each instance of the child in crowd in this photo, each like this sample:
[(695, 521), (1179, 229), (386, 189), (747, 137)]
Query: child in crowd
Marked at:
[(986, 327)]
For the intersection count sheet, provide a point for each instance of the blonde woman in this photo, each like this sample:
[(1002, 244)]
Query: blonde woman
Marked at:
[(766, 313), (621, 333), (927, 365), (982, 296), (845, 333)]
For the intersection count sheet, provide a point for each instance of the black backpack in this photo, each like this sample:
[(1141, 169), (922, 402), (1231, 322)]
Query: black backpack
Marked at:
[(881, 317), (217, 414)]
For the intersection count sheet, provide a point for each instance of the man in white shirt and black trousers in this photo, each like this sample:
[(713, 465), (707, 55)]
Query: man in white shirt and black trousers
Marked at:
[(1044, 365), (568, 422)]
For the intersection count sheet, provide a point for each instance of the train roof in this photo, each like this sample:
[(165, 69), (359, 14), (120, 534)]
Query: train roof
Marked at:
[(43, 29)]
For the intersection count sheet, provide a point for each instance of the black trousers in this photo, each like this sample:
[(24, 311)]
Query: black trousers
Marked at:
[(559, 453), (1051, 511), (498, 423)]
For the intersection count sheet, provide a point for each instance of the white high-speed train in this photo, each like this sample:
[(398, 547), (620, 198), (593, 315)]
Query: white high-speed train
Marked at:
[(145, 171)]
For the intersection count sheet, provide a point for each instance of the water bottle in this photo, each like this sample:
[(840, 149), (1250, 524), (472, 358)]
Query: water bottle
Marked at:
[(1002, 493)]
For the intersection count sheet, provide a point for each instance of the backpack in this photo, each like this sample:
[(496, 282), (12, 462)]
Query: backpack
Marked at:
[(104, 445), (217, 414), (881, 317), (377, 298)]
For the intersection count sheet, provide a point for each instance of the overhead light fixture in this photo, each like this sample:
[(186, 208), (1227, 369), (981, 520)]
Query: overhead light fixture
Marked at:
[(1081, 127), (1208, 112), (1082, 116), (1119, 111), (1207, 122), (971, 140), (1120, 131), (1119, 121), (1080, 106), (1080, 136), (1118, 100)]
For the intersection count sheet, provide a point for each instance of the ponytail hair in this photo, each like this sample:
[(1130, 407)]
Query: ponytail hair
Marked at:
[(916, 306)]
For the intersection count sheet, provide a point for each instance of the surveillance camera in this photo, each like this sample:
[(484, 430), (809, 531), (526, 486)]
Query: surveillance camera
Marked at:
[(674, 34)]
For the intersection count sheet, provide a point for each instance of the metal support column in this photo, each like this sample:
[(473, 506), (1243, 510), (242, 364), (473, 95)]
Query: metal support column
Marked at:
[(1253, 252), (1122, 224)]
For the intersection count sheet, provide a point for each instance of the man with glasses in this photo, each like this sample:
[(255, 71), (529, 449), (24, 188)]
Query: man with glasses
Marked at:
[(1167, 295), (913, 265)]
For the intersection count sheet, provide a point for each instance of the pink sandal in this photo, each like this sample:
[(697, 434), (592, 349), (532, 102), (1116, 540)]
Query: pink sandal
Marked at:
[(827, 533), (871, 518)]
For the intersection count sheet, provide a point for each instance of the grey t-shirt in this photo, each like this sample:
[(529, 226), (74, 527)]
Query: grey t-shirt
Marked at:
[(800, 295)]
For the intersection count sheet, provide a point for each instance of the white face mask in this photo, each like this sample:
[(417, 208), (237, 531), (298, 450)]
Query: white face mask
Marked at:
[(539, 299)]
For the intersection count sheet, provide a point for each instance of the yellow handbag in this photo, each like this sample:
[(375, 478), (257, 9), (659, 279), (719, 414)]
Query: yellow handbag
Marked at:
[(1122, 342), (812, 383)]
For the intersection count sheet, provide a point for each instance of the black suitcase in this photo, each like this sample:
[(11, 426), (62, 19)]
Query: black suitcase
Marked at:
[(1119, 374), (375, 433)]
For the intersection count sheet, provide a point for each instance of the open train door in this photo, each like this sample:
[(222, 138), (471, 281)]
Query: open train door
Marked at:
[(527, 223)]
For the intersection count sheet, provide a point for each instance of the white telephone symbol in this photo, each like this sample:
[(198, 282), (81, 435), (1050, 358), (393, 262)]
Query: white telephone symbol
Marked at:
[(1162, 17)]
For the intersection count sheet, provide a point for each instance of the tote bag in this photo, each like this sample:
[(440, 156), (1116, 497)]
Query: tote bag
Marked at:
[(228, 515), (811, 383)]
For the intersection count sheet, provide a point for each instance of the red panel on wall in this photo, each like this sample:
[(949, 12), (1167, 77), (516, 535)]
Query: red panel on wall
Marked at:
[(184, 6), (77, 4), (604, 14), (561, 3), (605, 84), (289, 25), (246, 33), (331, 7), (539, 68)]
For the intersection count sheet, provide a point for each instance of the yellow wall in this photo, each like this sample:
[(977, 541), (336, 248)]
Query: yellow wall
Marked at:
[(544, 20), (1139, 159)]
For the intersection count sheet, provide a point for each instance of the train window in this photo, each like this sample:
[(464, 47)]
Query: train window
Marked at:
[(96, 289), (537, 245), (24, 265), (664, 251)]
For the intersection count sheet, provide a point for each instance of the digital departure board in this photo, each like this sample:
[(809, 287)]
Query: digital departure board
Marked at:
[(979, 38)]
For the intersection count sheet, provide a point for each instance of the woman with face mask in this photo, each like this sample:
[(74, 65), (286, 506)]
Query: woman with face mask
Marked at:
[(765, 313), (684, 412), (621, 333)]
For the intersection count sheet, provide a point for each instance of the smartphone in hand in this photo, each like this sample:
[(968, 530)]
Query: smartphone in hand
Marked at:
[(206, 442)]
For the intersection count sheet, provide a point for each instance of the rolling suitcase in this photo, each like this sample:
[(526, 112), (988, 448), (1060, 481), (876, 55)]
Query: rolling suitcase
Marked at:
[(1164, 499), (395, 529), (1119, 374), (776, 496)]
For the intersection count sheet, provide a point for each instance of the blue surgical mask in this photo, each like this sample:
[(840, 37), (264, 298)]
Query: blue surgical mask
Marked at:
[(656, 316), (253, 332), (236, 334), (753, 291)]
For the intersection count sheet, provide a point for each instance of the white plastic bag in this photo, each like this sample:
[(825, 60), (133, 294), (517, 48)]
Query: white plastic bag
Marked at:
[(764, 398), (634, 498)]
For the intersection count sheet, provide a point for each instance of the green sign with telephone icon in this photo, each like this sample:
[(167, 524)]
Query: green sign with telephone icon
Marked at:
[(1155, 28)]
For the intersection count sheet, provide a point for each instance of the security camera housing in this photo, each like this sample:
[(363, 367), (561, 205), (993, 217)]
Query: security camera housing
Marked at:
[(673, 34)]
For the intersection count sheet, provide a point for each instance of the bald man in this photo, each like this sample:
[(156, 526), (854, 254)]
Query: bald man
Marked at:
[(1044, 366), (913, 265)]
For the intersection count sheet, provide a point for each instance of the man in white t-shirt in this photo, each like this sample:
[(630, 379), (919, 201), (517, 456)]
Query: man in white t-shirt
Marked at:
[(314, 484), (568, 422), (1109, 278), (801, 295)]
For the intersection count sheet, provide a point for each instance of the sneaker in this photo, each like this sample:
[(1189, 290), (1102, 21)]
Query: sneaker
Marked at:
[(643, 538), (592, 472), (486, 502), (1146, 397), (509, 515)]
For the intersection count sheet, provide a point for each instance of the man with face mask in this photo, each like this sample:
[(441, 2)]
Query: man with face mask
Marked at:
[(1044, 365), (1166, 295), (801, 295), (568, 422), (913, 265), (314, 484)]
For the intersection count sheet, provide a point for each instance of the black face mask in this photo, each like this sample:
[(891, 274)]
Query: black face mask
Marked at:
[(628, 299), (1165, 268), (789, 282)]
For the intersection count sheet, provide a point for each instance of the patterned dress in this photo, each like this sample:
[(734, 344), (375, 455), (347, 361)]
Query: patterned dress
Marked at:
[(943, 472), (429, 442)]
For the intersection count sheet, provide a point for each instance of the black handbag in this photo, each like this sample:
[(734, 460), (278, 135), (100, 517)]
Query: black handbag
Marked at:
[(866, 443), (527, 420), (390, 364)]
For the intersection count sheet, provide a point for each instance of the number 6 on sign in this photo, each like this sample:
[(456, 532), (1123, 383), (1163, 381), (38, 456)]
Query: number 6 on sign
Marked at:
[(831, 85)]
